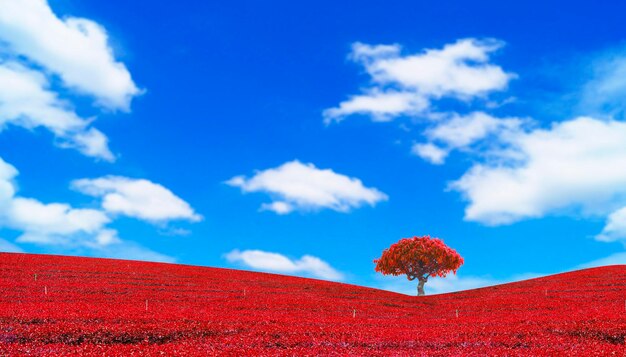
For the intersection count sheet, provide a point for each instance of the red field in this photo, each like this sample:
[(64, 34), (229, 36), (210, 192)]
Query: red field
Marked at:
[(51, 305)]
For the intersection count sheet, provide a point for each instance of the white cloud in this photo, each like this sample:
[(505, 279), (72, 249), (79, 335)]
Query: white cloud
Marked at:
[(75, 49), (615, 228), (450, 132), (295, 185), (574, 165), (464, 130), (59, 225), (138, 198), (26, 101), (368, 54), (107, 237), (8, 247), (91, 142), (41, 221), (52, 223), (39, 53), (406, 85), (130, 250), (381, 106), (7, 187), (430, 152), (459, 69), (278, 207), (613, 259), (275, 262)]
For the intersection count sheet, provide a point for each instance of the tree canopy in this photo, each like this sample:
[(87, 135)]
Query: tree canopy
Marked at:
[(419, 258)]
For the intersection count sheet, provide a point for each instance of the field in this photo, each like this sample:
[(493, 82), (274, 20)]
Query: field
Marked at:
[(52, 305)]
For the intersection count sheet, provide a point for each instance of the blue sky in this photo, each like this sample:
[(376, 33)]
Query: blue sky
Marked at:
[(304, 138)]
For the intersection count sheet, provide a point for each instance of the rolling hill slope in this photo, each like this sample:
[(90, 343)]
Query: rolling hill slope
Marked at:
[(69, 305)]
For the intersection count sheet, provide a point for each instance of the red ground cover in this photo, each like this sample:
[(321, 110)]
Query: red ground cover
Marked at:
[(98, 307)]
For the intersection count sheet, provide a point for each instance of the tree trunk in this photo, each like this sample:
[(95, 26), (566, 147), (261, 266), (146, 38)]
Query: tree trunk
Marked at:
[(420, 287)]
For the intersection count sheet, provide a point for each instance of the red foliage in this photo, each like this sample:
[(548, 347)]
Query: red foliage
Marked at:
[(98, 307), (419, 258)]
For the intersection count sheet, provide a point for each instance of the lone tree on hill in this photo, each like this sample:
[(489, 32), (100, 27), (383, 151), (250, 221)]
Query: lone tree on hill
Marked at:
[(419, 258)]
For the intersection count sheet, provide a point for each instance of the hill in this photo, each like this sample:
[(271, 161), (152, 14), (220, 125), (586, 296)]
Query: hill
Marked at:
[(53, 305)]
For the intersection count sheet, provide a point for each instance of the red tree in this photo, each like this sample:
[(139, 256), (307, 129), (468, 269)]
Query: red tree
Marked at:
[(419, 258)]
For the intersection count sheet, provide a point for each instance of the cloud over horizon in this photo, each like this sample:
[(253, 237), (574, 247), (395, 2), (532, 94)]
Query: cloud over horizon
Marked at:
[(278, 263), (49, 223), (77, 229)]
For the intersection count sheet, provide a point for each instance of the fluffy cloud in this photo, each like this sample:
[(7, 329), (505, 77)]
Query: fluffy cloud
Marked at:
[(298, 186), (462, 131), (59, 225), (53, 223), (75, 49), (137, 198), (39, 54), (430, 152), (42, 55), (42, 222), (91, 142), (615, 228), (275, 262), (406, 85), (380, 106), (26, 101), (574, 165)]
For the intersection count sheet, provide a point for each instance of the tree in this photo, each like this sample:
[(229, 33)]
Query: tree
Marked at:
[(419, 258)]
